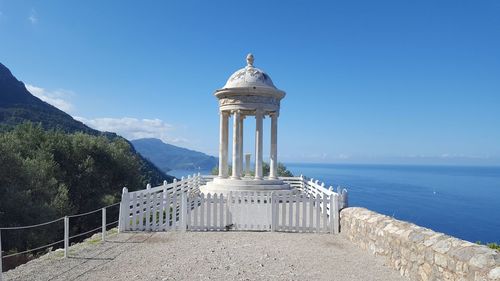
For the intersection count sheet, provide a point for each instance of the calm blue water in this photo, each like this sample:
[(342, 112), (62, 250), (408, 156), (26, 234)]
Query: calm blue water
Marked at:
[(461, 201), (184, 173)]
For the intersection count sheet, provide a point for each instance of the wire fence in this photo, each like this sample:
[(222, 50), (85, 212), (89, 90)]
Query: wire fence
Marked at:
[(31, 226), (71, 224)]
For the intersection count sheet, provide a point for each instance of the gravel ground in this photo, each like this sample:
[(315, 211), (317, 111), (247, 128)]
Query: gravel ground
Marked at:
[(210, 256)]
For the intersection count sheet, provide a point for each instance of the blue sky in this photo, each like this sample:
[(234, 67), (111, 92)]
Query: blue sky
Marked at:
[(409, 82)]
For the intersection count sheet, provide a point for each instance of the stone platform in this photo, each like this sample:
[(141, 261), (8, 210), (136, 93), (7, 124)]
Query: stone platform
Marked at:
[(225, 185)]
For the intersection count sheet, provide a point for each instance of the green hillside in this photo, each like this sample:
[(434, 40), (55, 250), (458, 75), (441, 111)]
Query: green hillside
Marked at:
[(52, 165), (18, 105)]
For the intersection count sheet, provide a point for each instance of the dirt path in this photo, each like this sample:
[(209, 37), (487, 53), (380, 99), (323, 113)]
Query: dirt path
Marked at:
[(210, 256)]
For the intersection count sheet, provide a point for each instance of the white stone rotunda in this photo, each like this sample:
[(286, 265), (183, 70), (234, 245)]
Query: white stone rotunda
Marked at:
[(248, 92)]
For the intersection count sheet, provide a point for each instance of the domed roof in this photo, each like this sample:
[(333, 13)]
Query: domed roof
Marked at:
[(249, 76)]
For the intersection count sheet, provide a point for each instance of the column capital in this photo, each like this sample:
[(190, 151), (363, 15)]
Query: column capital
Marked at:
[(274, 114), (224, 113), (259, 113)]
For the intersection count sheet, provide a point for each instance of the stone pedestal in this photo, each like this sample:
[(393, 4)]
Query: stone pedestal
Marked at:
[(247, 165), (220, 185)]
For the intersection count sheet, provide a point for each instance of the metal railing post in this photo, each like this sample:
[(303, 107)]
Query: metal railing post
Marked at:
[(103, 224), (66, 236), (1, 269)]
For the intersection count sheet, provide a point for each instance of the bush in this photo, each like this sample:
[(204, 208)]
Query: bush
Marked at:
[(493, 246)]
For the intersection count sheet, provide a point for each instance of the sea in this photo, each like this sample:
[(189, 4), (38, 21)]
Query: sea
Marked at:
[(457, 200)]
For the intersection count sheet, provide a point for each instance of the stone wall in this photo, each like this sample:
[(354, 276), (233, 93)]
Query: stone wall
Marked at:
[(417, 252)]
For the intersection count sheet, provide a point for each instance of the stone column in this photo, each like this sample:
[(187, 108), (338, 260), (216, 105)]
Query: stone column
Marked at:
[(247, 165), (258, 145), (273, 163), (224, 120), (240, 166), (236, 144)]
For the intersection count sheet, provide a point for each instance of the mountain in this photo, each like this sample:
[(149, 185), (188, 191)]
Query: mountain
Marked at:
[(18, 105), (170, 157)]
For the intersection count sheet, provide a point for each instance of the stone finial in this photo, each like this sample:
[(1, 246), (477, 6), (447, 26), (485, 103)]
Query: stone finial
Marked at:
[(250, 60)]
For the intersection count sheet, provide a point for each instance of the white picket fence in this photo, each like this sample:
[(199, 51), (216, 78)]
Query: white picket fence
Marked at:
[(309, 207), (303, 213), (157, 208), (236, 211), (210, 213), (316, 188)]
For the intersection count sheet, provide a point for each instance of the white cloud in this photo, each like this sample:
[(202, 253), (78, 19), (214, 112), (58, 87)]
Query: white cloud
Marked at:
[(129, 128), (58, 98), (344, 156), (133, 128), (33, 18)]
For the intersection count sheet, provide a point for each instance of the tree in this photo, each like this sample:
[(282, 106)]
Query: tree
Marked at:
[(282, 170), (215, 170)]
